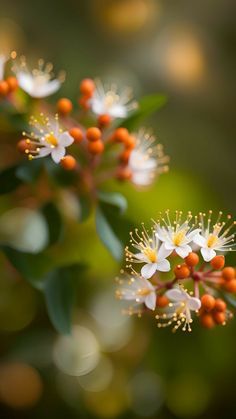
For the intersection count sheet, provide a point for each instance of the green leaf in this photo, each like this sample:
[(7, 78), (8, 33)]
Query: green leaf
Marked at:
[(115, 199), (85, 207), (29, 171), (147, 105), (107, 235), (54, 222), (60, 294), (228, 297), (9, 180)]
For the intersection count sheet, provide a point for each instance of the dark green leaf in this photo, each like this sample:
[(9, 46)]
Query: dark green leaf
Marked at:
[(228, 297), (29, 171), (107, 235), (54, 222), (9, 180), (85, 207), (60, 293), (147, 105), (114, 199)]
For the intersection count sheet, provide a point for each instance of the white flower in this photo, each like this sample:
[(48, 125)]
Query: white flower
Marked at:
[(3, 60), (146, 160), (47, 138), (137, 289), (108, 101), (39, 82), (177, 236), (179, 310), (149, 252), (214, 238)]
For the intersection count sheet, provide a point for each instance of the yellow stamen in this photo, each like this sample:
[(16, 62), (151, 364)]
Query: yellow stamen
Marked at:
[(51, 140), (179, 237), (150, 254), (212, 239), (142, 292)]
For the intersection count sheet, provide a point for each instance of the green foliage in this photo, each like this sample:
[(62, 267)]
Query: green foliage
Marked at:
[(54, 222), (9, 180)]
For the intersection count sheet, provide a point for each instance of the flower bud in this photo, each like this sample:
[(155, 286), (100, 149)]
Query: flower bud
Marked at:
[(93, 134), (87, 87), (192, 259), (218, 262), (182, 271), (220, 305), (96, 147), (230, 285), (162, 301), (208, 302), (104, 121), (68, 162), (77, 134), (219, 317), (228, 273), (207, 321), (64, 106)]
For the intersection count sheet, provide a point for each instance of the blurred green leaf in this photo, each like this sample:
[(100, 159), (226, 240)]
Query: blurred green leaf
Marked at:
[(115, 199), (29, 171), (147, 105), (106, 233), (60, 294), (54, 222), (85, 207), (9, 180), (231, 299)]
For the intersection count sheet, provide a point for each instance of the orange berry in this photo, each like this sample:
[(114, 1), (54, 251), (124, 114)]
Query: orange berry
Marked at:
[(104, 121), (77, 134), (124, 173), (162, 301), (87, 87), (219, 317), (218, 262), (4, 89), (64, 106), (121, 135), (96, 147), (23, 145), (230, 286), (228, 273), (93, 134), (182, 271), (68, 162), (12, 83), (207, 321), (208, 302), (220, 305), (124, 157), (130, 142), (84, 102), (192, 259)]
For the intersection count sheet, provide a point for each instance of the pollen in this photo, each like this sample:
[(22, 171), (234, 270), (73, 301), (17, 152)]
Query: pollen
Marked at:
[(51, 139), (212, 239), (150, 254), (179, 237)]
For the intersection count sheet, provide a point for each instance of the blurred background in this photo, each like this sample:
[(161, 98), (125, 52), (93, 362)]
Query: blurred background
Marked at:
[(114, 366)]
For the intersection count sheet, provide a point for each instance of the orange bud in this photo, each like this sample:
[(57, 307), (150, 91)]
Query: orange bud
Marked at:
[(23, 145), (162, 301), (228, 273), (96, 147), (130, 142), (77, 134), (124, 157), (207, 321), (218, 262), (12, 83), (192, 259), (84, 102), (208, 302), (220, 305), (68, 162), (87, 87), (230, 285), (4, 89), (219, 317), (124, 173), (93, 134), (121, 135), (182, 271), (64, 106), (104, 121)]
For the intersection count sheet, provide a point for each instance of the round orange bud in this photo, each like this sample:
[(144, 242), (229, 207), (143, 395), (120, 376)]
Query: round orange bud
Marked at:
[(104, 121), (96, 147), (218, 262), (207, 321), (12, 83), (4, 89), (121, 135), (68, 162), (84, 102), (130, 142), (208, 302), (87, 87), (228, 273), (23, 145), (77, 134), (230, 286), (93, 134), (124, 173), (220, 305), (162, 301), (182, 271), (219, 317), (64, 106), (192, 259), (124, 157)]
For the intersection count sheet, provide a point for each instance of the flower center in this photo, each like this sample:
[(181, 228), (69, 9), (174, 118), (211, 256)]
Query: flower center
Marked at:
[(142, 292), (110, 99), (178, 238), (150, 254), (51, 140), (212, 239)]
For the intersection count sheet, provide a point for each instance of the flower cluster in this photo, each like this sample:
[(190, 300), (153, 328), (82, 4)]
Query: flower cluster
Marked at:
[(198, 286)]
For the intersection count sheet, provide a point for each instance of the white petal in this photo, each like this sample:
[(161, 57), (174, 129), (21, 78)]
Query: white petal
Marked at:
[(44, 151), (141, 178), (25, 81), (148, 270), (45, 89), (194, 303), (163, 252), (142, 257), (175, 295), (208, 254), (65, 139), (190, 236), (150, 301), (118, 111), (161, 233), (163, 265), (199, 240), (58, 153), (183, 251), (97, 106)]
